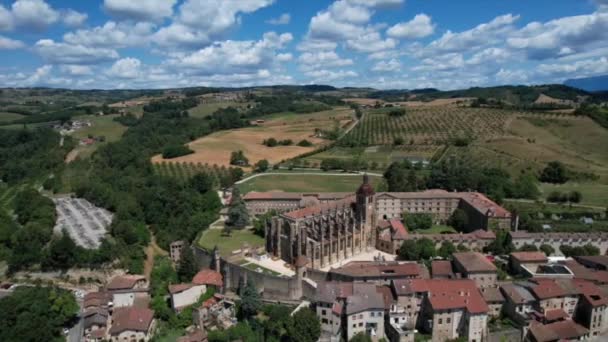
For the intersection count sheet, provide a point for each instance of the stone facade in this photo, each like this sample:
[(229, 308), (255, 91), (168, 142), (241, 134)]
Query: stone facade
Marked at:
[(555, 240), (328, 228)]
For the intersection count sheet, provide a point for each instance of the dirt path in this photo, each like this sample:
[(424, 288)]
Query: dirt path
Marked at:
[(151, 251), (358, 174), (71, 156)]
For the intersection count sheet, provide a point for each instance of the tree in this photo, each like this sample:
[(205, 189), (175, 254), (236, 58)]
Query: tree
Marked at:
[(555, 172), (174, 151), (188, 267), (361, 337), (459, 220), (250, 300), (238, 216), (418, 221), (62, 253), (262, 165), (501, 245), (201, 182), (238, 158), (427, 249), (305, 326), (270, 142), (446, 250), (547, 249), (409, 250), (575, 197), (36, 314), (398, 141)]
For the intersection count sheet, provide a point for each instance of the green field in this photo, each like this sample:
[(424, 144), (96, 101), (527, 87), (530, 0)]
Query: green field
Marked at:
[(226, 244), (437, 229), (307, 183), (593, 193), (101, 126), (382, 156), (206, 109), (8, 117)]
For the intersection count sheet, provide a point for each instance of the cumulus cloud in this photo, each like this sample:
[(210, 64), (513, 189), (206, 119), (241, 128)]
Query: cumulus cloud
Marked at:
[(505, 76), (6, 19), (419, 27), (448, 61), (63, 53), (73, 19), (387, 66), (283, 19), (490, 55), (477, 37), (146, 10), (233, 57), (580, 68), (33, 14), (76, 70), (112, 35), (322, 60), (371, 41), (10, 44), (329, 75), (125, 68), (563, 36), (200, 22)]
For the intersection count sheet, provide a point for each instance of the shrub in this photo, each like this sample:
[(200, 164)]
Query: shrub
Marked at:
[(174, 151), (304, 143)]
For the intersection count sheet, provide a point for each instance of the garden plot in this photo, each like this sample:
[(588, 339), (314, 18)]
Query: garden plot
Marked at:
[(86, 223)]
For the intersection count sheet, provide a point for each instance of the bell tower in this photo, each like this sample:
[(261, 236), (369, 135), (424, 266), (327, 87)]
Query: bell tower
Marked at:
[(365, 210)]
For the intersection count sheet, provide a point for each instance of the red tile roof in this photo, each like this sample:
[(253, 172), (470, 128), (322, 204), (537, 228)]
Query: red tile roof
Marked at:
[(484, 205), (378, 269), (208, 277), (124, 282), (441, 268), (445, 294), (318, 209), (555, 314), (582, 272), (177, 288), (474, 262), (398, 229), (539, 257), (591, 293), (562, 330), (131, 319)]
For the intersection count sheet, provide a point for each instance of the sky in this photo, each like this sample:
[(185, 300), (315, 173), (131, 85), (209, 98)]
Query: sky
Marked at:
[(384, 44)]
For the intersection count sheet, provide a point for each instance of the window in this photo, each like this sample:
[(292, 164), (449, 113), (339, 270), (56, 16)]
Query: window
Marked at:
[(440, 321), (448, 320), (323, 312)]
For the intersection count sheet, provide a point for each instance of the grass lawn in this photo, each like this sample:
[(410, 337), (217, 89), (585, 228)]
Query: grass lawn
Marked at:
[(307, 183), (593, 193), (7, 117), (437, 229), (226, 244), (101, 126), (255, 267)]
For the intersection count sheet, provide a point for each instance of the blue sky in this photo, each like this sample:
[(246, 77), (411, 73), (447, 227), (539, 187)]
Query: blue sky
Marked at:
[(385, 44)]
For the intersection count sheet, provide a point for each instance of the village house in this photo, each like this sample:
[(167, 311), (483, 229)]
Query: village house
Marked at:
[(447, 309), (441, 269), (346, 309), (132, 324), (566, 330), (95, 323), (128, 290), (526, 262), (183, 295), (476, 266), (175, 250), (495, 300), (217, 312), (209, 278), (378, 272)]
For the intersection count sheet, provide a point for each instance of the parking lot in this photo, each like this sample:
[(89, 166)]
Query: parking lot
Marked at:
[(86, 223)]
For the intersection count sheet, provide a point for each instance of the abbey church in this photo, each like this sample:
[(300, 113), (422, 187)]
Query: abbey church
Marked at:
[(327, 228)]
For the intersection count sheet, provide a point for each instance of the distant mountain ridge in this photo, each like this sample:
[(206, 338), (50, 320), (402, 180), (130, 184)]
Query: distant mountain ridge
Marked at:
[(596, 83)]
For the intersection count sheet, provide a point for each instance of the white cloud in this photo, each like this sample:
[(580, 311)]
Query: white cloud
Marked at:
[(450, 61), (490, 55), (76, 70), (505, 76), (33, 14), (146, 10), (370, 42), (6, 19), (284, 57), (477, 37), (233, 57), (40, 74), (580, 68), (73, 19), (10, 44), (316, 45), (322, 60), (200, 22), (125, 68), (387, 66), (112, 35), (419, 27), (563, 36), (320, 76), (63, 53), (283, 19)]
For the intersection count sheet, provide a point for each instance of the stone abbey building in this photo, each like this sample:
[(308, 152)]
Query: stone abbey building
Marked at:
[(329, 227)]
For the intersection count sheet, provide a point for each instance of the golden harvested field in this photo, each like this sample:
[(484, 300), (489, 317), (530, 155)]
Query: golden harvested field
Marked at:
[(215, 149)]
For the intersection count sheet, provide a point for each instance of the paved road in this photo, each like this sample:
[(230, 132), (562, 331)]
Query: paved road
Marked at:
[(357, 174), (75, 334)]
